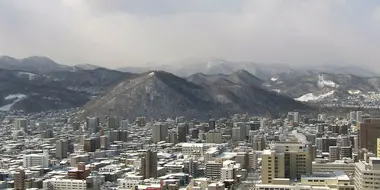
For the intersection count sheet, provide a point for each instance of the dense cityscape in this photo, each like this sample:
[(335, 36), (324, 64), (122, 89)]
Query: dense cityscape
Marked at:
[(58, 151)]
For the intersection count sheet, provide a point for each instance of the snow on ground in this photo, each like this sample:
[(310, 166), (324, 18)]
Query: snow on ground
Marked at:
[(354, 92), (151, 74), (312, 97), (30, 75), (274, 79), (13, 96)]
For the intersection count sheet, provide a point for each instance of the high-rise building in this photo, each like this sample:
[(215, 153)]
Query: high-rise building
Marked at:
[(36, 160), (91, 144), (124, 124), (258, 142), (211, 124), (104, 142), (113, 123), (160, 132), (19, 180), (228, 172), (182, 132), (172, 137), (61, 149), (194, 133), (149, 164), (345, 152), (238, 132), (297, 160), (273, 166), (367, 175), (214, 136), (324, 143), (378, 147), (92, 124), (294, 117), (359, 116), (369, 131), (243, 159), (21, 124), (213, 170), (334, 153)]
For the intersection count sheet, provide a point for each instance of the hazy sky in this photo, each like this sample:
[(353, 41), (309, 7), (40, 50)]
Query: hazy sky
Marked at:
[(132, 32)]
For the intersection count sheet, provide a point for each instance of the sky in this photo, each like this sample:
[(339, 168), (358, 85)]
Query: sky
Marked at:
[(117, 33)]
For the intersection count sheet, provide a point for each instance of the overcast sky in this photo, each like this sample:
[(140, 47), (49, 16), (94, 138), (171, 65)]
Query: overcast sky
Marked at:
[(118, 33)]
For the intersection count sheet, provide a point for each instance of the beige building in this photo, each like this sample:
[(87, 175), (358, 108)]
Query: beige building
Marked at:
[(273, 166), (367, 175), (378, 147), (297, 161), (214, 136)]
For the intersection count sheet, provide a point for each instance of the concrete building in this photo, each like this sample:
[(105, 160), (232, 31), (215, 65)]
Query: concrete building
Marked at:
[(21, 124), (113, 123), (61, 149), (238, 134), (19, 180), (182, 131), (172, 137), (243, 159), (320, 165), (334, 153), (159, 132), (36, 160), (345, 152), (104, 142), (378, 147), (64, 184), (92, 124), (228, 172), (213, 170), (273, 166), (367, 175), (258, 142), (369, 131), (297, 161), (149, 164), (214, 136), (294, 117)]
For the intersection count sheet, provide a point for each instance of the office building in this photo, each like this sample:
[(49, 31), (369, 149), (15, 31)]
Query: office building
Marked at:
[(159, 132), (212, 124), (238, 133), (91, 144), (273, 166), (297, 161), (21, 124), (194, 133), (19, 180), (369, 131), (113, 122), (172, 137), (213, 170), (214, 136), (243, 159), (258, 142), (227, 172), (359, 116), (104, 142), (149, 164), (293, 117), (36, 160), (124, 124), (322, 117), (182, 132), (92, 124), (367, 175), (345, 152), (64, 184), (378, 147), (61, 149), (324, 143), (334, 153)]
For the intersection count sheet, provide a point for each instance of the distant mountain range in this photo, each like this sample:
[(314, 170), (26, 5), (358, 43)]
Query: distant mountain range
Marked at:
[(160, 94), (192, 89)]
